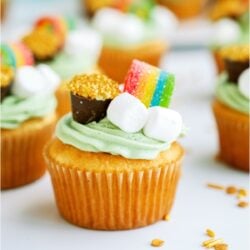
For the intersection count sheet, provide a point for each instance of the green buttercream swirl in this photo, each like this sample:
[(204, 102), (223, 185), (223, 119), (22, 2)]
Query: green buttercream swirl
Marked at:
[(16, 110), (105, 137), (66, 66), (229, 94)]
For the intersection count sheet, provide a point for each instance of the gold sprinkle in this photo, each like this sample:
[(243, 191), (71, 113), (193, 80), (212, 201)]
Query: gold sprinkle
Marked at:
[(43, 44), (210, 233), (167, 217), (212, 242), (231, 190), (157, 243), (221, 247), (242, 192), (236, 52), (6, 75), (215, 186), (242, 204), (94, 86)]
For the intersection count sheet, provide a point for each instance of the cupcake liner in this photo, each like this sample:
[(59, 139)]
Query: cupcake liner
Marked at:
[(63, 100), (184, 9), (233, 129), (218, 61), (115, 62), (113, 200), (21, 152)]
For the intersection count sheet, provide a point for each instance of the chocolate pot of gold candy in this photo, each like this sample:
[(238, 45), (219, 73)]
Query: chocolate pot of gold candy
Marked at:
[(90, 96), (236, 60), (6, 80)]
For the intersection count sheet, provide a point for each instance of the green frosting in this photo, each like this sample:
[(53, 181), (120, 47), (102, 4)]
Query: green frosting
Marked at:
[(16, 110), (66, 66), (229, 94), (105, 137)]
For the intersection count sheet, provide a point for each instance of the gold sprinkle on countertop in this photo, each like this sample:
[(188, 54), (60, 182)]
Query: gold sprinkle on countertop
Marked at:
[(210, 233), (240, 53), (6, 76), (94, 86), (157, 243), (43, 44)]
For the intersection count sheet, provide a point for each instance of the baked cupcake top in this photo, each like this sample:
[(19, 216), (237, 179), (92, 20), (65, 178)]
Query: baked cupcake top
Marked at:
[(127, 125), (30, 95), (233, 87), (134, 26)]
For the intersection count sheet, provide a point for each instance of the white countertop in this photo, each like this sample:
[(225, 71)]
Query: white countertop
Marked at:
[(30, 219)]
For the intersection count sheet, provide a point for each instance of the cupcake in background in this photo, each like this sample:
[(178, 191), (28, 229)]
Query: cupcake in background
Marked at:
[(27, 122), (115, 163), (231, 25), (3, 9), (232, 106), (184, 9), (130, 33), (67, 49)]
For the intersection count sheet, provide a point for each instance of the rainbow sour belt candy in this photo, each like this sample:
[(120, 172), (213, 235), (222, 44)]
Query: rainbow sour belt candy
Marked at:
[(151, 85), (15, 55)]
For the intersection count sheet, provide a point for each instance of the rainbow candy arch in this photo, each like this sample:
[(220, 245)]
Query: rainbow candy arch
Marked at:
[(152, 86), (15, 55)]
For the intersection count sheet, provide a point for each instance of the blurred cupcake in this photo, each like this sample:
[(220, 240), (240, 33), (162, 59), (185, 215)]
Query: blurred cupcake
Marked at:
[(231, 107), (3, 8), (68, 50), (139, 33), (114, 172), (27, 122), (184, 9)]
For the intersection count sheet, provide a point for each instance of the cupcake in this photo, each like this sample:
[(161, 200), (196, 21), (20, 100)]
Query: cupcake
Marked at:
[(27, 122), (231, 107), (184, 9), (132, 33), (115, 163), (68, 50), (228, 28)]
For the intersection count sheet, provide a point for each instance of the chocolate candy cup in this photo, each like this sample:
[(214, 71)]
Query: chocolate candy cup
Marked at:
[(234, 69), (86, 110), (5, 91)]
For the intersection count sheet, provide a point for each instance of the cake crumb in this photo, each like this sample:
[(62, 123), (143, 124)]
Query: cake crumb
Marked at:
[(210, 233), (242, 204), (212, 242), (215, 186), (221, 247), (157, 243), (242, 192), (231, 190)]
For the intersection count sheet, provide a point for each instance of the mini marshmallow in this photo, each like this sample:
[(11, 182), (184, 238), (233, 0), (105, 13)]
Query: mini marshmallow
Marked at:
[(244, 83), (127, 112), (52, 78), (28, 82), (83, 42), (225, 31), (163, 124), (165, 22)]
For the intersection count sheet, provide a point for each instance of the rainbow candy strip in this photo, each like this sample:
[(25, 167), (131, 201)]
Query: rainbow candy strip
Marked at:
[(151, 85), (15, 55)]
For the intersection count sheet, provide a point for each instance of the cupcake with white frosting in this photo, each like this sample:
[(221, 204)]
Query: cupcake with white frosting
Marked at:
[(133, 35), (27, 122)]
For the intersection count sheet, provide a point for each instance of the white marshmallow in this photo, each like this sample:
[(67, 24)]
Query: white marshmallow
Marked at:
[(52, 78), (244, 83), (127, 112), (163, 124), (107, 20), (165, 22), (225, 31), (28, 82), (84, 42)]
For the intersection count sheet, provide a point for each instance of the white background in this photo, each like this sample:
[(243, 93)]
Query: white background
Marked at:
[(29, 216)]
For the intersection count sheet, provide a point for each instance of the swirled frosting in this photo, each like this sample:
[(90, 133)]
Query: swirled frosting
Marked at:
[(229, 94), (16, 110), (105, 137)]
